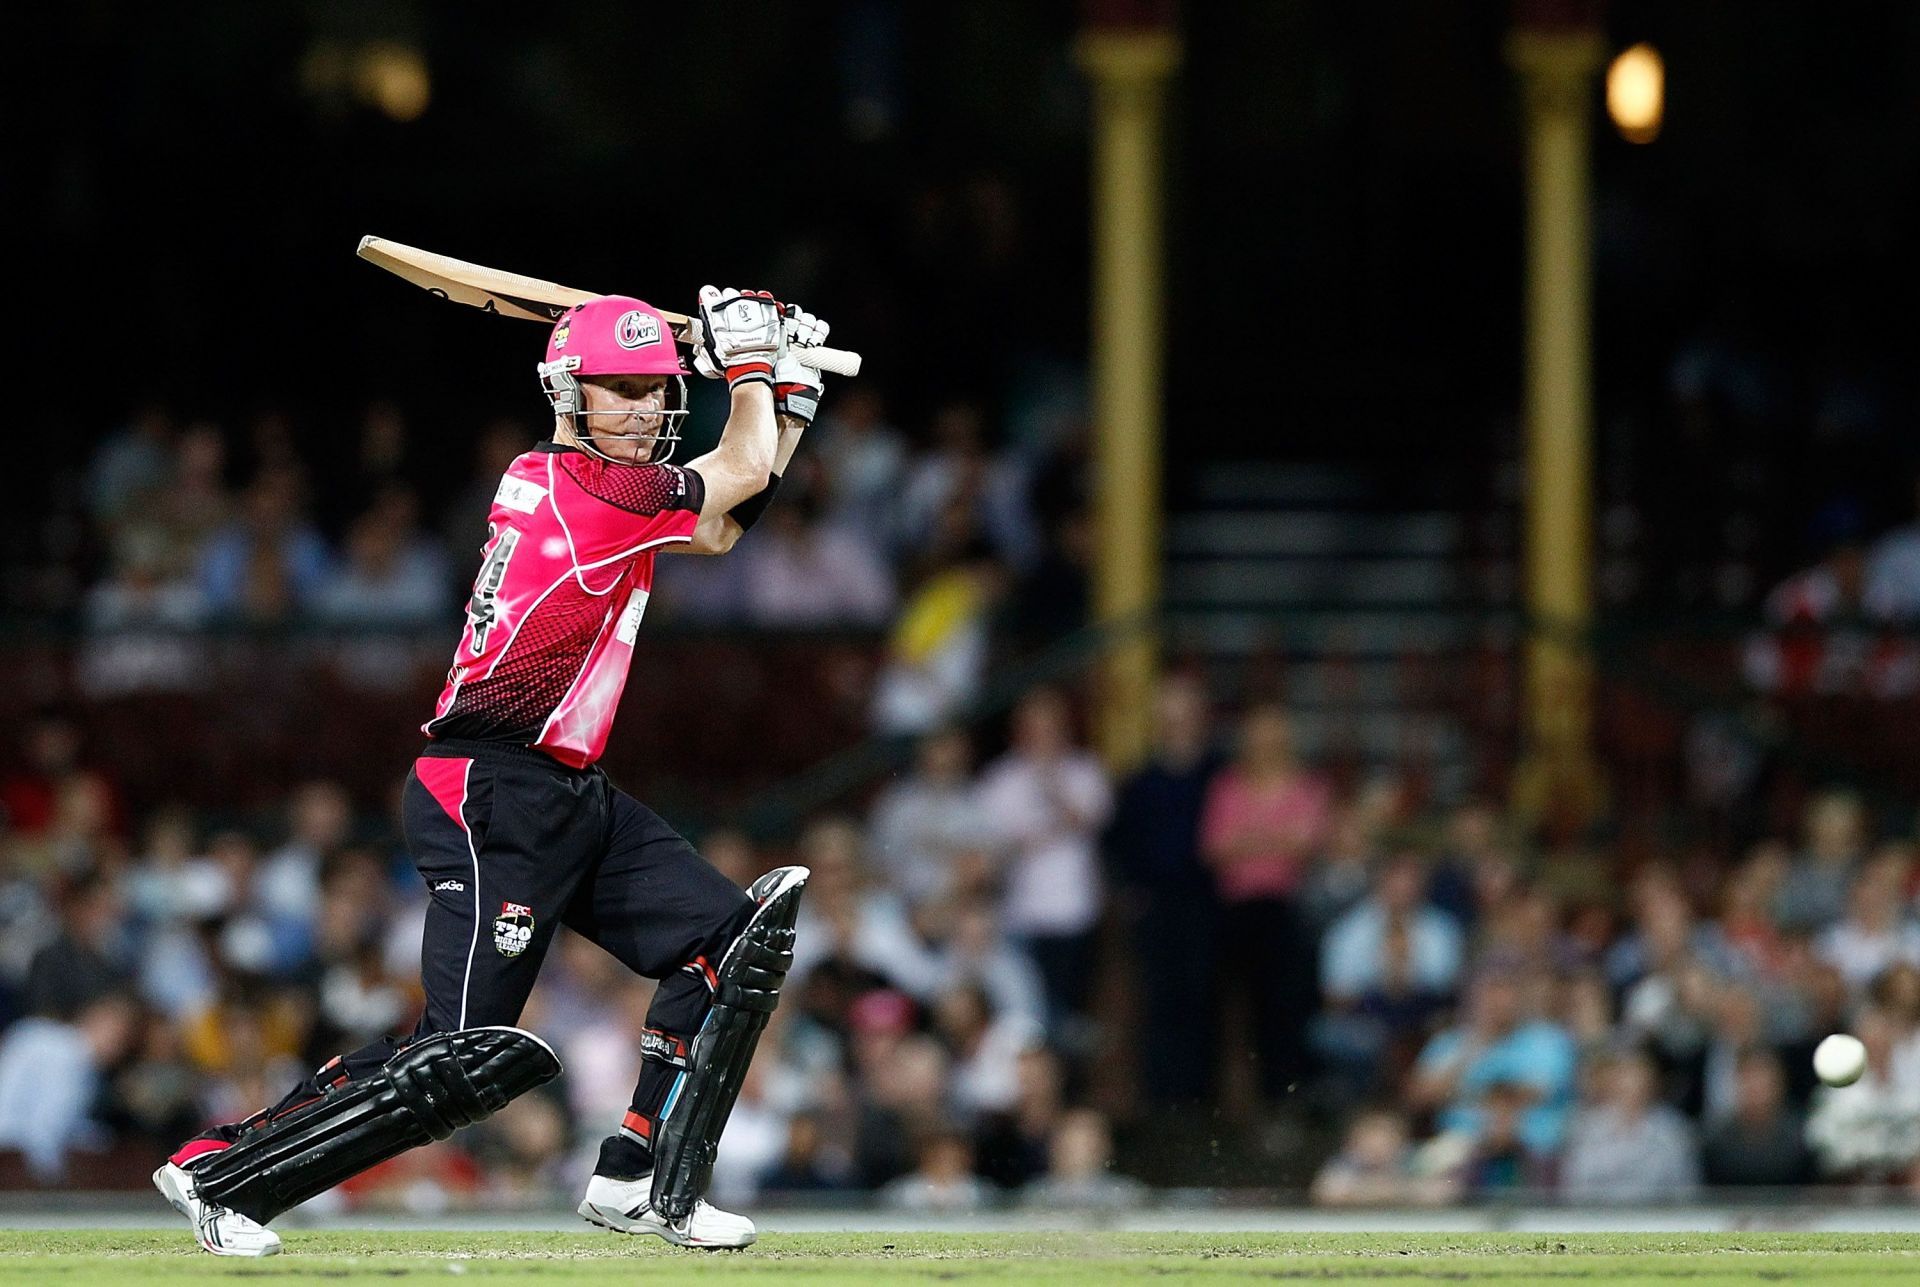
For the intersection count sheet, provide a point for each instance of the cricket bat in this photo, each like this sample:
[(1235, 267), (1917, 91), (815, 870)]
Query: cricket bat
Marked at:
[(513, 295)]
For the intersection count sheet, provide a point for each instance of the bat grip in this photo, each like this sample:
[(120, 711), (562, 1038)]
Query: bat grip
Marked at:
[(837, 361)]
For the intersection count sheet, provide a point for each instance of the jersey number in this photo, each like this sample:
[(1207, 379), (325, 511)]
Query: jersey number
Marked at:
[(483, 609)]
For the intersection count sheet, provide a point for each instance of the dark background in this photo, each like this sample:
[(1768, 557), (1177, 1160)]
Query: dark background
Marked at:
[(189, 185)]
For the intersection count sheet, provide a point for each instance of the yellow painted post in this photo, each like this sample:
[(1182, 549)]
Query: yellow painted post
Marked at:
[(1559, 779), (1129, 69)]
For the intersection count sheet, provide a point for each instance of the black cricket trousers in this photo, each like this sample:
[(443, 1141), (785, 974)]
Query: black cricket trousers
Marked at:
[(513, 844)]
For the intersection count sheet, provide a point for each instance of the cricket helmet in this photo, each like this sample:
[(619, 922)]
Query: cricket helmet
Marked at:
[(614, 335)]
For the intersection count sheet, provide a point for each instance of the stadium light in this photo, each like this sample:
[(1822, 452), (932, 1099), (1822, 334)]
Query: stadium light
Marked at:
[(393, 78), (1637, 93)]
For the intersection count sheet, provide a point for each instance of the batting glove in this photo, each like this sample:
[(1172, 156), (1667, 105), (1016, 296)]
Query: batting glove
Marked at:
[(743, 334), (797, 387)]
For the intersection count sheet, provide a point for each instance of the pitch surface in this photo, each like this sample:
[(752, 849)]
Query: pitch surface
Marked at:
[(141, 1255)]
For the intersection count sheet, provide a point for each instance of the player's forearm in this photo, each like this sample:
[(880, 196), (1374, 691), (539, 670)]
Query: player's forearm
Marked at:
[(752, 433), (791, 427)]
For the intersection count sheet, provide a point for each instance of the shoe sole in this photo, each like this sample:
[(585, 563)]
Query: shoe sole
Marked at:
[(178, 1201), (617, 1222)]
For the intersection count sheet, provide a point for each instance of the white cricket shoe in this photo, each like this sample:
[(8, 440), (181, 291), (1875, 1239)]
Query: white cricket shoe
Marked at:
[(223, 1232), (626, 1206)]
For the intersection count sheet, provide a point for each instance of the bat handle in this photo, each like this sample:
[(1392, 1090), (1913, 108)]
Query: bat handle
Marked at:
[(837, 361)]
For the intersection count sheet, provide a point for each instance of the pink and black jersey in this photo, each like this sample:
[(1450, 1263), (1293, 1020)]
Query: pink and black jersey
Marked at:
[(563, 582)]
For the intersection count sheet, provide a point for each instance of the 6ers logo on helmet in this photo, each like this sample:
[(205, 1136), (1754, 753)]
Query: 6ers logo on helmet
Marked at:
[(513, 929), (560, 334), (636, 328)]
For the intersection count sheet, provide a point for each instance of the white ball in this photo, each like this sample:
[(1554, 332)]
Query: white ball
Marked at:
[(1840, 1060)]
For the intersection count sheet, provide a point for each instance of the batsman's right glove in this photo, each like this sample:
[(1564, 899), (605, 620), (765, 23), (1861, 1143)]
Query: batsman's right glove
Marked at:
[(743, 335), (796, 386)]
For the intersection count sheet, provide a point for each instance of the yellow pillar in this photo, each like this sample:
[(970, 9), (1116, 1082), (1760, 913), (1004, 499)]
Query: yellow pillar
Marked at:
[(1129, 70), (1559, 780)]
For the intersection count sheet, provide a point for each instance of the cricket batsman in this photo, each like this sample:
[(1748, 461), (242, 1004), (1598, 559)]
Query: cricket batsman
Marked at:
[(516, 831)]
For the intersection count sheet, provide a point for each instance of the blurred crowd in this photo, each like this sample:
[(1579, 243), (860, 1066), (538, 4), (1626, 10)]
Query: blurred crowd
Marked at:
[(966, 531), (187, 525), (1014, 972)]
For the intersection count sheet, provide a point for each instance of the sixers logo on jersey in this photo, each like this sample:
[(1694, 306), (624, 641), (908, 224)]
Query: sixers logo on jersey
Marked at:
[(636, 329)]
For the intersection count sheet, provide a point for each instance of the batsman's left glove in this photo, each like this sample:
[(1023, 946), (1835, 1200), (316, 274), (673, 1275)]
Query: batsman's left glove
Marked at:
[(743, 334)]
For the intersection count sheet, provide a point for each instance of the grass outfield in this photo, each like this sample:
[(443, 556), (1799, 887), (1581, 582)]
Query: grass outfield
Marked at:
[(142, 1255)]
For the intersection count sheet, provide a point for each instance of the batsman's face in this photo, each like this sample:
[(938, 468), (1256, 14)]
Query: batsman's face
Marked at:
[(624, 414)]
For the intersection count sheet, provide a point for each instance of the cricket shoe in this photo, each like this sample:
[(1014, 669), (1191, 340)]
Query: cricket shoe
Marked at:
[(626, 1206), (223, 1232)]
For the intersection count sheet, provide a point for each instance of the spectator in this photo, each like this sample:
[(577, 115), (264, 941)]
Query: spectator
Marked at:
[(801, 572), (359, 1000), (1166, 894), (1761, 1140), (1665, 937), (196, 503), (1395, 929), (849, 923), (1893, 570), (1342, 871), (1814, 893), (959, 475), (392, 574), (923, 823), (1630, 1147), (51, 1073), (986, 1050), (1046, 800), (87, 961), (943, 1181), (51, 760), (1012, 1145), (903, 1097), (1498, 1160), (132, 465), (937, 650), (1709, 1086), (1265, 817), (1497, 1043), (1824, 638), (1747, 921), (1080, 1169), (864, 459), (975, 952), (1877, 933), (521, 1152), (1375, 1167), (268, 563), (254, 933), (806, 1166), (142, 592), (1474, 864), (1385, 967), (319, 819)]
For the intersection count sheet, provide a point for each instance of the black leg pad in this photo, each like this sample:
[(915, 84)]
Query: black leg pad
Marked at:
[(427, 1091), (748, 977)]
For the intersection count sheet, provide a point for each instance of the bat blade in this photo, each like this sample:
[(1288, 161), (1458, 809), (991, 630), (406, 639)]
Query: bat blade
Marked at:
[(513, 295), (487, 289)]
